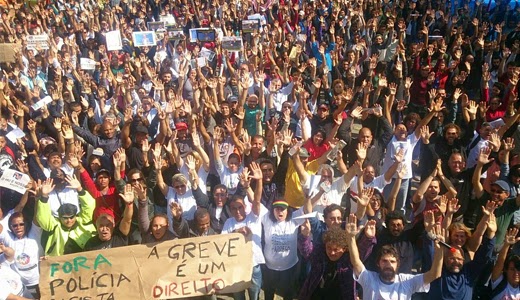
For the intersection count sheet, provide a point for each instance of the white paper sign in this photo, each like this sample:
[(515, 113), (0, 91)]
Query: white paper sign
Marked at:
[(313, 214), (38, 105), (35, 41), (87, 64), (114, 41), (14, 180), (15, 134)]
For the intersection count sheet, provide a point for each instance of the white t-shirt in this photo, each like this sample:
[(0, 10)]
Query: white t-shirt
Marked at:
[(378, 184), (393, 147), (474, 152), (509, 293), (187, 202), (10, 282), (57, 199), (27, 252), (254, 223), (227, 178), (202, 174), (402, 288), (281, 242), (337, 189)]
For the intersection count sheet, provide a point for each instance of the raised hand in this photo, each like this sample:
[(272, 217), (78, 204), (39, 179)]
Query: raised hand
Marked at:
[(429, 220), (489, 209), (256, 172), (73, 183), (351, 226), (365, 196), (357, 113), (370, 229), (453, 206), (402, 170), (443, 204), (128, 194), (509, 144), (244, 178), (190, 162), (145, 146), (57, 124), (361, 151), (483, 157), (176, 210), (492, 223), (22, 166), (305, 228), (494, 140), (66, 131), (31, 125), (511, 238), (399, 156), (74, 161)]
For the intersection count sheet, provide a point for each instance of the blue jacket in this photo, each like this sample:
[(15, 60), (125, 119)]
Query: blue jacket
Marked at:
[(459, 286)]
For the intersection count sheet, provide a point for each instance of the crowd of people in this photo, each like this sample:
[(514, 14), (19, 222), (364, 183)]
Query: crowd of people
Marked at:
[(369, 149)]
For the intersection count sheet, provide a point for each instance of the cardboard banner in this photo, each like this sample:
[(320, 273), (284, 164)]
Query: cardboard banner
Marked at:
[(216, 264), (87, 64), (14, 180), (8, 52)]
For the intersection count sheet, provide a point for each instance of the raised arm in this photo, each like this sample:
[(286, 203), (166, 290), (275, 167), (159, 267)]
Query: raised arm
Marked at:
[(438, 255), (352, 230), (128, 198), (258, 176), (418, 195), (509, 240), (483, 159)]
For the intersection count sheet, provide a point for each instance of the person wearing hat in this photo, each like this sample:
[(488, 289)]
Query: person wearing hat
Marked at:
[(70, 231), (293, 183), (281, 249), (107, 235), (498, 193)]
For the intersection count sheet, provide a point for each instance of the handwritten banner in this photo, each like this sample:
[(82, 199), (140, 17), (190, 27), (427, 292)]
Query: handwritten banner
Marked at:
[(218, 264), (14, 180)]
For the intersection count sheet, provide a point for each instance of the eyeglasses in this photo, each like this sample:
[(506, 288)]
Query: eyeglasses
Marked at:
[(219, 195), (177, 187), (67, 217), (136, 180), (18, 225)]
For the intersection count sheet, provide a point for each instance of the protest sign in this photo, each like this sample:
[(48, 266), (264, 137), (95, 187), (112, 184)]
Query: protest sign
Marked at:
[(114, 41), (7, 52), (156, 25), (87, 64), (232, 43), (15, 134), (144, 38), (249, 26), (174, 269), (38, 41), (46, 100), (14, 180)]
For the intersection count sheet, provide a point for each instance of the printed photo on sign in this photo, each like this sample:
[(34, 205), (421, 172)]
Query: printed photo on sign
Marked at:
[(249, 26), (87, 64), (144, 38), (114, 41), (205, 35), (175, 33), (156, 25), (232, 43)]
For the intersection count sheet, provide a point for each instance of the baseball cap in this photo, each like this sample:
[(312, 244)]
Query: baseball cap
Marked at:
[(141, 129), (502, 184), (181, 126)]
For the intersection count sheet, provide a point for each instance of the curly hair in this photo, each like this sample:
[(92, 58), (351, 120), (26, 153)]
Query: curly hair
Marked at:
[(336, 236)]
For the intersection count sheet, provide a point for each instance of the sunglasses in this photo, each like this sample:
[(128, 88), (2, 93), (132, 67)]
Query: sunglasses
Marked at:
[(67, 217), (177, 187), (18, 225), (136, 180)]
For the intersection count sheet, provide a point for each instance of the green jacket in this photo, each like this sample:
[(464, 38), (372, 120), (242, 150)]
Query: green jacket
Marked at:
[(62, 240)]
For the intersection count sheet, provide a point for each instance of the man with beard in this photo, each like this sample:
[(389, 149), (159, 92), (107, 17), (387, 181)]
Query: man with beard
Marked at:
[(386, 283), (109, 237), (402, 241), (458, 279)]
